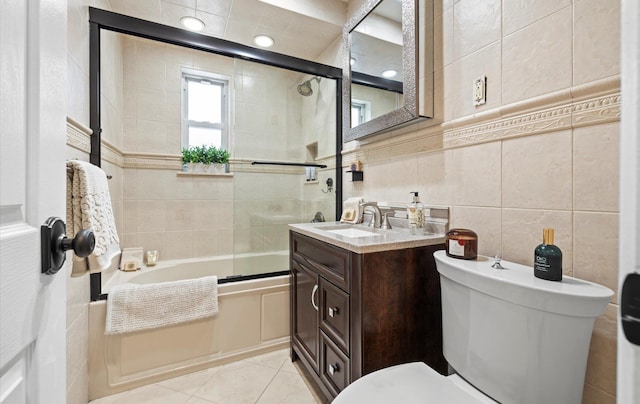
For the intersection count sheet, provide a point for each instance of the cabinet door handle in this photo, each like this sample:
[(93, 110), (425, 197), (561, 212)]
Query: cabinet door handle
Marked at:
[(333, 311), (313, 300), (333, 369)]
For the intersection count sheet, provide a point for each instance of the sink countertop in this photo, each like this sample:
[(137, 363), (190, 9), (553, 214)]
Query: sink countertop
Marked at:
[(384, 240)]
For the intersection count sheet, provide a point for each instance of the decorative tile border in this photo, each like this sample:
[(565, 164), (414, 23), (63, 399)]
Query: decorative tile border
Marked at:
[(584, 113), (78, 135), (591, 104), (112, 154), (601, 110), (152, 161)]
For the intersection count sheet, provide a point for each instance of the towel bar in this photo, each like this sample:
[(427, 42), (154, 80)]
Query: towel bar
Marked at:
[(69, 169)]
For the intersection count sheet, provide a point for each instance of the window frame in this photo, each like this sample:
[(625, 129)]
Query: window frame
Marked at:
[(364, 110), (215, 79)]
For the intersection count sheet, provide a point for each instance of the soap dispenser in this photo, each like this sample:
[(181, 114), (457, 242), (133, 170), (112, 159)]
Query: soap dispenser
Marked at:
[(415, 212), (547, 262)]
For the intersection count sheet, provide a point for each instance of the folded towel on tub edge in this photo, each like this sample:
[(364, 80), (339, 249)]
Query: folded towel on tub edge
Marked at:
[(137, 307)]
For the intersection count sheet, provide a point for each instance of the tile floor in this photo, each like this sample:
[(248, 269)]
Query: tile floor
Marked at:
[(266, 379)]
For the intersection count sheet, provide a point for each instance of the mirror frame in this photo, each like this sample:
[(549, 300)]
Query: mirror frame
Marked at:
[(409, 110)]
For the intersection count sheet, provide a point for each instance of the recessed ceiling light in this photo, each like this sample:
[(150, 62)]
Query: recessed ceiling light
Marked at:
[(192, 23), (264, 41), (352, 61), (389, 73)]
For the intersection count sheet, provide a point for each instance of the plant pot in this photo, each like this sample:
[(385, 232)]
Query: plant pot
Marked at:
[(218, 168)]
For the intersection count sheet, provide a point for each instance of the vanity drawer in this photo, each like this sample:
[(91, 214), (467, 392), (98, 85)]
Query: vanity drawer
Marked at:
[(334, 314), (332, 262), (334, 366)]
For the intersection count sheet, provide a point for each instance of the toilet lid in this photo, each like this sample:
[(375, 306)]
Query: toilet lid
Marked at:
[(409, 383)]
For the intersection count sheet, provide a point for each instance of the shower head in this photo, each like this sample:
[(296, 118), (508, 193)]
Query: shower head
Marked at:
[(305, 88)]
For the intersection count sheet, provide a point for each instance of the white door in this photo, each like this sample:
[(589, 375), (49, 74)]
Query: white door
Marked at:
[(628, 387), (33, 78)]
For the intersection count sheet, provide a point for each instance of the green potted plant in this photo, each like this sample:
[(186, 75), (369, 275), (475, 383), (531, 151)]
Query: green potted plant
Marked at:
[(188, 159), (205, 159), (219, 159), (201, 156)]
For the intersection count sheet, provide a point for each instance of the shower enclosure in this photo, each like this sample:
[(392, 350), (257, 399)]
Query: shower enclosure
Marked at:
[(276, 123), (283, 143)]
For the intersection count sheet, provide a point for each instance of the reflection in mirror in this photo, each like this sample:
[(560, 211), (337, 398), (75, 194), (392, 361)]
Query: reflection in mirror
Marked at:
[(376, 42), (387, 66), (369, 103), (260, 115), (376, 51)]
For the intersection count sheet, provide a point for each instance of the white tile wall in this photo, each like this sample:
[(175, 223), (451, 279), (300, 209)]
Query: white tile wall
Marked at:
[(508, 190)]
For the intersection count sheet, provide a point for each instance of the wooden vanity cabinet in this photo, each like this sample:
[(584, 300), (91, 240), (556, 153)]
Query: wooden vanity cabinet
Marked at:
[(352, 314)]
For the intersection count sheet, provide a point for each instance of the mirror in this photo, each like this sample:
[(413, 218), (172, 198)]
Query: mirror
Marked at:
[(387, 67)]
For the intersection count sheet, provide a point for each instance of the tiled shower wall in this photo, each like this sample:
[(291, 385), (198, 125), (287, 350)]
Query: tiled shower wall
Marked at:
[(318, 130), (186, 216), (543, 151)]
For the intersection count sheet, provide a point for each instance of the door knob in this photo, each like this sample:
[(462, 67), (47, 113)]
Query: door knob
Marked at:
[(54, 243)]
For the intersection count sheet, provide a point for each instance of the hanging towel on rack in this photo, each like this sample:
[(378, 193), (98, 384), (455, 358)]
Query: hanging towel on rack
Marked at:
[(89, 207), (137, 307)]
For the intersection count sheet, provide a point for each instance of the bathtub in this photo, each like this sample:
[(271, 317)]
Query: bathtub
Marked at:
[(253, 319), (222, 266)]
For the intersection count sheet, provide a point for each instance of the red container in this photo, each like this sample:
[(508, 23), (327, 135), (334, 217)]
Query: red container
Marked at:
[(462, 243)]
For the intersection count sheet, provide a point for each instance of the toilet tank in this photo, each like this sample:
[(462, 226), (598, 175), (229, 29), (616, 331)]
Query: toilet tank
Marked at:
[(517, 338)]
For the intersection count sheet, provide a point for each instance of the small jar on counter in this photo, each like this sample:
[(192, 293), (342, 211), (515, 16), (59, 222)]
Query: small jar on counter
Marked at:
[(462, 243)]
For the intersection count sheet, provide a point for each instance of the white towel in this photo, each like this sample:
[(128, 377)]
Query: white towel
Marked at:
[(351, 210), (133, 307), (89, 207)]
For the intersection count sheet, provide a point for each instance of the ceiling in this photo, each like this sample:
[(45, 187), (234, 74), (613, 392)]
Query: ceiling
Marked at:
[(301, 28)]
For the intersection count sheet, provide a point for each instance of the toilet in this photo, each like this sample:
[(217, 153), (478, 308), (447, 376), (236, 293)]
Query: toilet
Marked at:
[(508, 336)]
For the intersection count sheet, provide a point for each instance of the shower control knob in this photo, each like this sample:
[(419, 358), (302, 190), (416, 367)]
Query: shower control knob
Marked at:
[(54, 243)]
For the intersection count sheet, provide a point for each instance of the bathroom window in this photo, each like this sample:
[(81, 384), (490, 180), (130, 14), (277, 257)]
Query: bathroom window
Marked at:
[(205, 109), (360, 112)]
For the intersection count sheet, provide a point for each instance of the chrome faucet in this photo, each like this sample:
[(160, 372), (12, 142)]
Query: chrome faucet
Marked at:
[(375, 220), (385, 221), (497, 264)]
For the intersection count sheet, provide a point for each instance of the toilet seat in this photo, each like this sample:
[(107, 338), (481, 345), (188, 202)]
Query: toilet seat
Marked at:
[(409, 383)]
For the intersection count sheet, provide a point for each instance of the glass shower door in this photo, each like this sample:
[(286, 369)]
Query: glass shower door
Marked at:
[(273, 123)]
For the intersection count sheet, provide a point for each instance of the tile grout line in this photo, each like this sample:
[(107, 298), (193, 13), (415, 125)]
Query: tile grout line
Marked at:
[(270, 381)]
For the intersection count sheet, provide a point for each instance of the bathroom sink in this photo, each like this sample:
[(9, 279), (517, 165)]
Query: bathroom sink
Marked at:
[(353, 233), (334, 226)]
